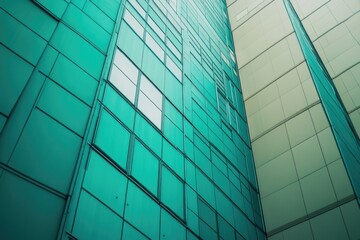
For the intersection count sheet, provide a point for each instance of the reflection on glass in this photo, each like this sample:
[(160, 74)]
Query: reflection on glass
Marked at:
[(135, 25), (149, 109), (154, 46), (173, 49), (156, 29), (126, 66), (123, 84), (139, 9), (151, 92), (173, 68)]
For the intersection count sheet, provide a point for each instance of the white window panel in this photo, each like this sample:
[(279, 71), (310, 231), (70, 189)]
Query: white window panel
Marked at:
[(126, 66), (137, 6), (134, 24), (173, 68), (156, 29), (123, 84), (151, 92), (225, 59), (173, 4), (154, 46), (173, 49), (150, 110)]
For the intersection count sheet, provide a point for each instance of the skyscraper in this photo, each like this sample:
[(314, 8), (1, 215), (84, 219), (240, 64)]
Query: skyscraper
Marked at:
[(299, 68), (123, 120)]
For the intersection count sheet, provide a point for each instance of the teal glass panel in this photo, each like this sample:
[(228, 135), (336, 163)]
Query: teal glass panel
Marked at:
[(190, 236), (21, 199), (148, 134), (109, 7), (170, 228), (224, 206), (47, 60), (32, 16), (219, 161), (78, 50), (95, 221), (203, 162), (99, 16), (189, 149), (191, 199), (70, 76), (130, 44), (23, 41), (190, 176), (113, 139), (119, 106), (64, 107), (206, 232), (130, 233), (225, 229), (173, 133), (142, 212), (153, 68), (50, 165), (106, 183), (12, 80), (207, 214), (145, 167), (2, 122), (172, 192), (87, 27), (221, 180), (236, 196), (173, 158), (202, 145), (188, 130), (173, 114), (205, 188), (174, 90), (56, 8), (192, 221)]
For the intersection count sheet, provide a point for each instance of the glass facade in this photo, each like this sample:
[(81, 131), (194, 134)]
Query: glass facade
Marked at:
[(123, 120), (298, 61), (341, 125)]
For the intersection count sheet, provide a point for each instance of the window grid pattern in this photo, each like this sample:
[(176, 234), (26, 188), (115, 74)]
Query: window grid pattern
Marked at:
[(186, 162)]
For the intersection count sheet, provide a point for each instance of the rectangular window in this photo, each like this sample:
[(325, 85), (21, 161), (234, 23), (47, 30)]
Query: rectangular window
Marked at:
[(222, 105), (154, 46), (145, 167), (173, 49), (134, 24), (150, 101), (138, 8), (174, 68), (172, 192), (156, 29), (124, 75)]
